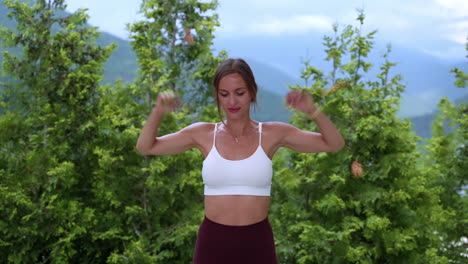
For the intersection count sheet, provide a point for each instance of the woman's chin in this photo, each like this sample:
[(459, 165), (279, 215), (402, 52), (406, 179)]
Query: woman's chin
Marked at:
[(236, 115)]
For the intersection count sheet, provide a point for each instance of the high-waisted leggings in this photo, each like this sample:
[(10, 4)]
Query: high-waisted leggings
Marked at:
[(226, 244)]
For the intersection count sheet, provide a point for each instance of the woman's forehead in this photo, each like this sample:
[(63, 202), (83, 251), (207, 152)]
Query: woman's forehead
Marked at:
[(232, 81)]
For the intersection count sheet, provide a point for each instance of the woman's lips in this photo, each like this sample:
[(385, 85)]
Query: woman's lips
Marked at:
[(233, 110)]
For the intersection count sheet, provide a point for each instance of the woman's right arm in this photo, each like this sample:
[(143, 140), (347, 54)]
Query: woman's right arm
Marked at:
[(150, 144)]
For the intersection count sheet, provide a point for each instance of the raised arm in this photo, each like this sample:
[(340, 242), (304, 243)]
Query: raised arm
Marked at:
[(150, 144), (328, 140)]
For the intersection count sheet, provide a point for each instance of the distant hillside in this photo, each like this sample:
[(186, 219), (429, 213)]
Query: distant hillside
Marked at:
[(271, 78), (121, 64), (271, 107), (422, 124), (427, 78)]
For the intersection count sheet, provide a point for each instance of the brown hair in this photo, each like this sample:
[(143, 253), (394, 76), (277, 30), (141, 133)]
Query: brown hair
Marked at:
[(241, 67)]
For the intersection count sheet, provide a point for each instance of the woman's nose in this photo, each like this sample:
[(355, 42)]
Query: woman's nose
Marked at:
[(232, 100)]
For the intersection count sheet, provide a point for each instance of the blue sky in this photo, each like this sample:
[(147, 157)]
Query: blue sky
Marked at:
[(435, 27)]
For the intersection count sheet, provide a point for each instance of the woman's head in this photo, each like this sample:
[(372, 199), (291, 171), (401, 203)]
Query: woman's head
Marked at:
[(232, 77)]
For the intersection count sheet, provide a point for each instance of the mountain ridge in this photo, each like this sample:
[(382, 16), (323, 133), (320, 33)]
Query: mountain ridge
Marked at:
[(420, 98)]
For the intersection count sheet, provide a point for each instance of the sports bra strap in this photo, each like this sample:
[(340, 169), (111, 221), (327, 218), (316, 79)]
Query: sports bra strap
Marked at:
[(214, 134), (260, 133)]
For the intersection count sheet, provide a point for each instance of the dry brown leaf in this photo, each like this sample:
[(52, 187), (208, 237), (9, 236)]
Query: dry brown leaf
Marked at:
[(356, 169), (188, 36), (335, 88)]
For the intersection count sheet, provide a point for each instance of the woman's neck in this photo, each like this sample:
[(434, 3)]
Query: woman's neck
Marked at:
[(238, 127)]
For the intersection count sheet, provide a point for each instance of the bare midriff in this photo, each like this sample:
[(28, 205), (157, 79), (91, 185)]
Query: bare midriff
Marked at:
[(236, 210)]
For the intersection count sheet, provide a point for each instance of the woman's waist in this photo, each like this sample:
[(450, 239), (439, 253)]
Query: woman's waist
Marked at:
[(236, 209)]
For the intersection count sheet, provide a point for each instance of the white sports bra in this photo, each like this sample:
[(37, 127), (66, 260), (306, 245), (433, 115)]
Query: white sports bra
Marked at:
[(249, 176)]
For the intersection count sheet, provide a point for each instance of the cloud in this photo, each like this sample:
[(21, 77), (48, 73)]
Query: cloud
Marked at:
[(114, 22), (458, 32), (388, 23), (451, 53), (272, 4), (275, 25), (292, 24), (457, 8), (449, 19)]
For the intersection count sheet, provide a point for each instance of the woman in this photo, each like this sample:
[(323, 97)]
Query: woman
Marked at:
[(237, 170)]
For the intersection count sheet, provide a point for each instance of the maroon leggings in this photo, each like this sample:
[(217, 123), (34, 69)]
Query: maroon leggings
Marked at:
[(226, 244)]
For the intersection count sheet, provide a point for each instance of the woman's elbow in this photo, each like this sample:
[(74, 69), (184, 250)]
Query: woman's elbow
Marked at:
[(338, 146), (142, 149), (341, 145), (139, 148)]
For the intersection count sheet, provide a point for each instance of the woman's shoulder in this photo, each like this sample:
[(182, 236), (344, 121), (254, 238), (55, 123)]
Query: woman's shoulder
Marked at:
[(199, 127), (276, 126), (279, 130)]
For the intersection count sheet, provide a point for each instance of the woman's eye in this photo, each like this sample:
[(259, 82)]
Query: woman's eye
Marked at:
[(240, 94), (223, 95)]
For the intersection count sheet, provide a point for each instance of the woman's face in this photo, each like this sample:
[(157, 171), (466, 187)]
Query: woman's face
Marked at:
[(234, 96)]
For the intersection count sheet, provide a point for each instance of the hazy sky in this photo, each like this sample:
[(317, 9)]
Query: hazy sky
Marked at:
[(436, 27)]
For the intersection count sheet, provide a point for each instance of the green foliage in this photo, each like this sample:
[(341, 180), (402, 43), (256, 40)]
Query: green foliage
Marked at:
[(323, 213), (447, 163), (73, 189), (48, 131), (158, 201), (461, 77), (153, 203), (176, 63)]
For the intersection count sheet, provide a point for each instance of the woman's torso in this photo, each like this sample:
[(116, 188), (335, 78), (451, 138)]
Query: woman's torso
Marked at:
[(236, 209)]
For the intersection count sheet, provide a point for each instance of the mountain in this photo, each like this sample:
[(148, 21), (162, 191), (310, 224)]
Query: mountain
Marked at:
[(270, 77), (122, 64), (427, 78), (422, 124), (270, 107)]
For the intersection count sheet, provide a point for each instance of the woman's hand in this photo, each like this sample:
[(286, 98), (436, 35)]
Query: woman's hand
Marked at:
[(301, 101), (167, 102)]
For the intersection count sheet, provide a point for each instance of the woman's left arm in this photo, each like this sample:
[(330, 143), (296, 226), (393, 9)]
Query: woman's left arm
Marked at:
[(328, 140)]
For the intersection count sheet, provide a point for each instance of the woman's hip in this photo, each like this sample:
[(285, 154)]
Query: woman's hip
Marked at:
[(219, 243)]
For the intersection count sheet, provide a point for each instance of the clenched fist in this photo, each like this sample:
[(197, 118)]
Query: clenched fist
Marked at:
[(301, 101), (167, 102)]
